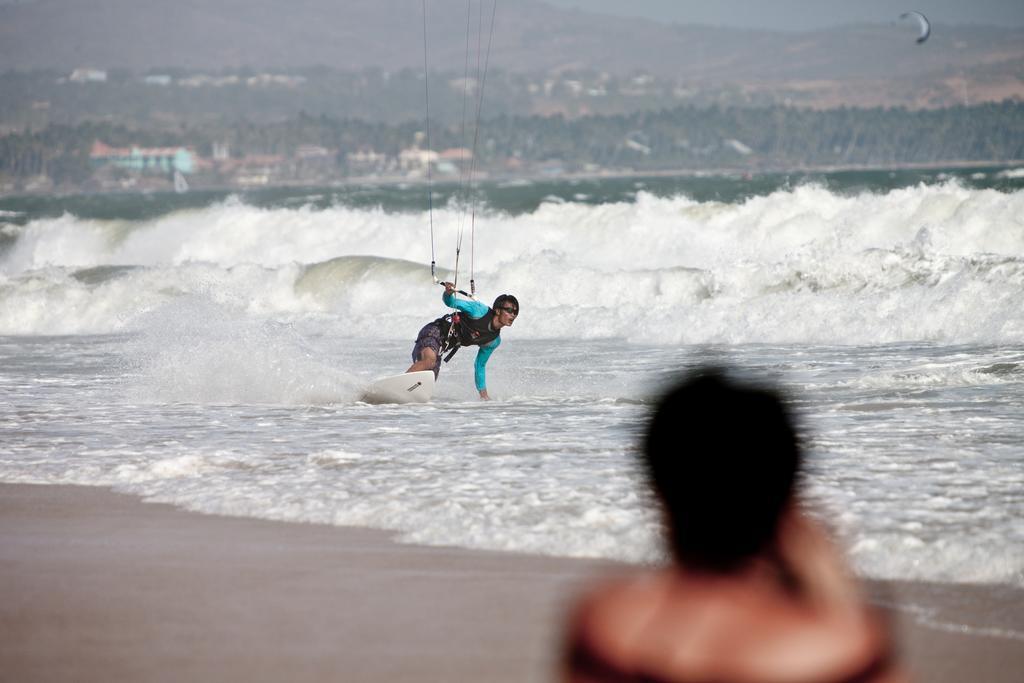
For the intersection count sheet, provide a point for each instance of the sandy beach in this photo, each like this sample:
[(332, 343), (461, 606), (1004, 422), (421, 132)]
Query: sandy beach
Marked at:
[(99, 586)]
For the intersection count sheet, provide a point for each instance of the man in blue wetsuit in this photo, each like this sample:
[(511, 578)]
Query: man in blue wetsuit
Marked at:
[(472, 324)]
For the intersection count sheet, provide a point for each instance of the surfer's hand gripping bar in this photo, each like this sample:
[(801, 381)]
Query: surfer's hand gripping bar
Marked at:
[(449, 288)]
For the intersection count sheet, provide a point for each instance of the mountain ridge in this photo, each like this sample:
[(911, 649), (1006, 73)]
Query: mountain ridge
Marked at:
[(856, 64)]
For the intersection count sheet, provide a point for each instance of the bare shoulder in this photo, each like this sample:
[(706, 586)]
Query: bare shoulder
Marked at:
[(607, 621), (798, 644), (617, 607), (663, 627)]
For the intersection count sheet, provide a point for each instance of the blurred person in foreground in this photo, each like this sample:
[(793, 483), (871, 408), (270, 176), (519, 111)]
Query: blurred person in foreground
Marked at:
[(757, 591)]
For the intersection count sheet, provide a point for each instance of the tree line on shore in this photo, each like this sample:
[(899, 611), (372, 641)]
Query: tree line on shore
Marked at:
[(683, 138)]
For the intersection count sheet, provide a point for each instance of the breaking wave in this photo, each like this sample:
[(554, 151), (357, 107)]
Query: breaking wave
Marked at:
[(938, 263)]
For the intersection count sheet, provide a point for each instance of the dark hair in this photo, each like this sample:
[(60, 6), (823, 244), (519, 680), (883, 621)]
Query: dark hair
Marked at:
[(723, 458), (504, 299)]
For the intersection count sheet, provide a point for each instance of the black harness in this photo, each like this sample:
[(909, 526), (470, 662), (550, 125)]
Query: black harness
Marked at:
[(459, 330)]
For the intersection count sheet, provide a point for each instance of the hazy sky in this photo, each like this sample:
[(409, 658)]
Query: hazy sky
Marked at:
[(807, 14)]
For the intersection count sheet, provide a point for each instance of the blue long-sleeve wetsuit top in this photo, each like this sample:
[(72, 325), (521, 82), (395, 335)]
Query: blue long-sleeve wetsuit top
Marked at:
[(475, 310)]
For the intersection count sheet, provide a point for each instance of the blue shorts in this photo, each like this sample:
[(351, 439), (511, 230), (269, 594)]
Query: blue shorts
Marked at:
[(429, 338)]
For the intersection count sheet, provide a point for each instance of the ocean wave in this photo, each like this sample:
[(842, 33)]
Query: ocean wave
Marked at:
[(907, 557), (805, 264), (330, 279)]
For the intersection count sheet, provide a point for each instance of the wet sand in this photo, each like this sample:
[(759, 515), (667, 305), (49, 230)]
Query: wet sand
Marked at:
[(98, 586)]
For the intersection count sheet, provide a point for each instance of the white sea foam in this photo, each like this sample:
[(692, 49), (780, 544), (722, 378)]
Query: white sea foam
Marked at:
[(941, 263), (166, 468), (909, 557), (219, 411)]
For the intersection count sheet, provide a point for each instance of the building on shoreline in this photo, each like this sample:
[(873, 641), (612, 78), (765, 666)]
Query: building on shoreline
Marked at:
[(162, 160)]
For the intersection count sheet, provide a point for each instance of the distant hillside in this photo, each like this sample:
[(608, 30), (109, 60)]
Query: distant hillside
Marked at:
[(876, 64)]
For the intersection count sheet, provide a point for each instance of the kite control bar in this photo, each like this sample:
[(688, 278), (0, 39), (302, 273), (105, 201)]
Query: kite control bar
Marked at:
[(457, 291)]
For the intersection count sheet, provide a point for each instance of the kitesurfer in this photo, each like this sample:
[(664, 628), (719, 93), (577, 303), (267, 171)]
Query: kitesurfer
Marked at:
[(473, 324)]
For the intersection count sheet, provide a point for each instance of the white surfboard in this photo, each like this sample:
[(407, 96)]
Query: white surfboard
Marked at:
[(411, 387)]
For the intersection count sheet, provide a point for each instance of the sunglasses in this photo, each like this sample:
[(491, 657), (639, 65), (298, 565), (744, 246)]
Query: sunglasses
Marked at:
[(510, 309)]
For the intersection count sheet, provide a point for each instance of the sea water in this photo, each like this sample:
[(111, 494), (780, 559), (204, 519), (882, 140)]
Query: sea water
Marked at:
[(209, 350)]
